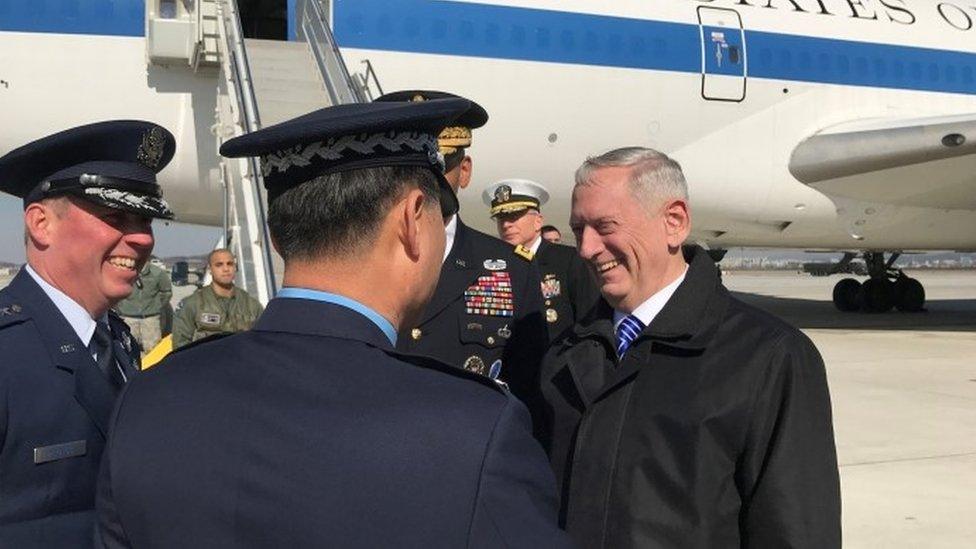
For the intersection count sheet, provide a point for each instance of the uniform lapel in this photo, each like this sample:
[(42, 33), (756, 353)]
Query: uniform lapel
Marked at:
[(458, 272), (92, 389)]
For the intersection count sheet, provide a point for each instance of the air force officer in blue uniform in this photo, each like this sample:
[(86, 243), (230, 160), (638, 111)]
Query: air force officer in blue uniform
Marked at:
[(89, 197), (311, 429)]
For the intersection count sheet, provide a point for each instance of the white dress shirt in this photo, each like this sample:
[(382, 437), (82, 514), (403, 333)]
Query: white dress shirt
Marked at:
[(76, 315), (450, 230), (646, 311), (534, 248)]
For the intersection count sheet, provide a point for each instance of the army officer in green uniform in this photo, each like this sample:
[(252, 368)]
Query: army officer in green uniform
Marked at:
[(567, 286), (219, 307)]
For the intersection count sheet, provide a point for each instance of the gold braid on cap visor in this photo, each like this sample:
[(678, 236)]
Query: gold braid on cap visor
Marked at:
[(453, 138), (515, 206)]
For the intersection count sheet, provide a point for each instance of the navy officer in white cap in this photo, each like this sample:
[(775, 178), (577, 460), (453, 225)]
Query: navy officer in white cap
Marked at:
[(567, 286), (89, 195), (486, 315), (312, 429)]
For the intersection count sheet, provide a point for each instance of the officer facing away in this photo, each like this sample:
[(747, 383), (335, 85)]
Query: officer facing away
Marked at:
[(311, 429), (568, 288), (218, 307), (89, 195)]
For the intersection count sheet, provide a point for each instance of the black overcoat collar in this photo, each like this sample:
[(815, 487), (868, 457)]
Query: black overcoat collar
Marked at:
[(319, 318), (683, 327), (93, 390)]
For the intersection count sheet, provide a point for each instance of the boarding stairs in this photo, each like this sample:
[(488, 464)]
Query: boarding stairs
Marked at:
[(264, 82)]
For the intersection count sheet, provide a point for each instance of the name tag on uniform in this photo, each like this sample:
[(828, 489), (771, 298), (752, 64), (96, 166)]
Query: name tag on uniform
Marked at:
[(46, 454), (212, 319)]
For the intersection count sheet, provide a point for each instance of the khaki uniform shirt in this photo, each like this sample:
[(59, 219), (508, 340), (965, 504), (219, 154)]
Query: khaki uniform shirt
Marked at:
[(205, 313)]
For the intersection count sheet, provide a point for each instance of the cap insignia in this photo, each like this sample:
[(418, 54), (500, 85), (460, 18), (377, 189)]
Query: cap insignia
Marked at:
[(503, 193), (150, 151), (418, 97)]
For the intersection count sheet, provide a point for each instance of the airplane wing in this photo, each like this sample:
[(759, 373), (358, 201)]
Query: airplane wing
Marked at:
[(907, 162)]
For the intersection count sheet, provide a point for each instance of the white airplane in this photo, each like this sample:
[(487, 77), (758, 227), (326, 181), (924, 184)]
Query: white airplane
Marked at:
[(828, 125)]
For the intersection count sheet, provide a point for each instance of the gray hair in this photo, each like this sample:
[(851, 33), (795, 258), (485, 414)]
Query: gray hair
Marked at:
[(655, 176)]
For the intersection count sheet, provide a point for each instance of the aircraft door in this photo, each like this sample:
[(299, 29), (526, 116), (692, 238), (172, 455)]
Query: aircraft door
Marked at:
[(723, 44)]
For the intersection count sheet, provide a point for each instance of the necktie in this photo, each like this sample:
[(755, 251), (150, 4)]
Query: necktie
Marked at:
[(106, 353), (628, 330)]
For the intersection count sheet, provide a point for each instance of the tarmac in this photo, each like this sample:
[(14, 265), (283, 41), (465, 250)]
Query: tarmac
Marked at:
[(903, 388)]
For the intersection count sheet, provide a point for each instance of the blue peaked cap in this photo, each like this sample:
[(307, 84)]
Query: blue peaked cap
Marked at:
[(350, 137), (112, 163)]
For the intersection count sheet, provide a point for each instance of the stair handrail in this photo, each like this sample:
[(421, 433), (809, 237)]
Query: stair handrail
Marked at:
[(236, 65), (314, 28)]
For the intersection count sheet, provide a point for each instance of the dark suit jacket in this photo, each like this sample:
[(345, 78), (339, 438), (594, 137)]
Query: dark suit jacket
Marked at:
[(713, 431), (453, 334), (55, 406), (311, 431), (568, 288)]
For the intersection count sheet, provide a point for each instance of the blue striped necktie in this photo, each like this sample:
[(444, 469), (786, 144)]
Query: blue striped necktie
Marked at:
[(628, 330)]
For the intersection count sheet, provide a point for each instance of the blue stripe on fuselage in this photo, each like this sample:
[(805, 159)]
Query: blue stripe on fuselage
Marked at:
[(104, 17), (503, 32)]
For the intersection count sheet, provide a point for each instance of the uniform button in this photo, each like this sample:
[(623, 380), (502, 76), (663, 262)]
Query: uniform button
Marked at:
[(416, 333), (548, 302), (491, 340)]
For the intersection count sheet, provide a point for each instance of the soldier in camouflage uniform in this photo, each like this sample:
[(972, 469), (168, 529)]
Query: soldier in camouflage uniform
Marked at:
[(143, 309), (219, 307)]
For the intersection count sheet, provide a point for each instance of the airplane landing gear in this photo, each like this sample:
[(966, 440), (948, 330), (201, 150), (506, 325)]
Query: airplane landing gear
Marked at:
[(888, 287)]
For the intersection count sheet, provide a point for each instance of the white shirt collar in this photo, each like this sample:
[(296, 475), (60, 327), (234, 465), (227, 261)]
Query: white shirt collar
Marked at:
[(76, 315), (535, 245), (450, 230), (646, 311)]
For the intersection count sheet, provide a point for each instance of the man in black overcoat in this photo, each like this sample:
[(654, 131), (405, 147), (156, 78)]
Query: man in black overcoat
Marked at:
[(568, 289), (486, 313), (311, 429), (90, 196), (682, 416)]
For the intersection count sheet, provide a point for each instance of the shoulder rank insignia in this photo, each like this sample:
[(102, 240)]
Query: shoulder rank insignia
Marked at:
[(524, 252)]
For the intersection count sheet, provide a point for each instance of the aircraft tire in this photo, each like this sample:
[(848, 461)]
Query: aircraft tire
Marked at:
[(878, 295), (911, 295), (846, 295)]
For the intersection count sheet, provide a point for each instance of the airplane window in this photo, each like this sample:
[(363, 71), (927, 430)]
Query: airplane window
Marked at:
[(567, 40), (843, 64), (899, 70), (660, 47), (615, 43), (915, 70), (933, 72), (592, 41), (637, 45), (542, 37), (734, 55), (806, 62), (861, 65), (967, 75), (879, 68), (765, 57), (438, 29), (493, 33), (950, 73), (785, 59), (824, 61), (518, 35)]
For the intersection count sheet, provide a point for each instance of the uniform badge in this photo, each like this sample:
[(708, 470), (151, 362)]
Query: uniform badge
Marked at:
[(504, 332), (476, 365), (416, 333), (503, 193), (551, 315), (495, 369), (67, 348), (495, 264), (475, 326), (551, 286), (524, 252), (210, 318), (150, 151)]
